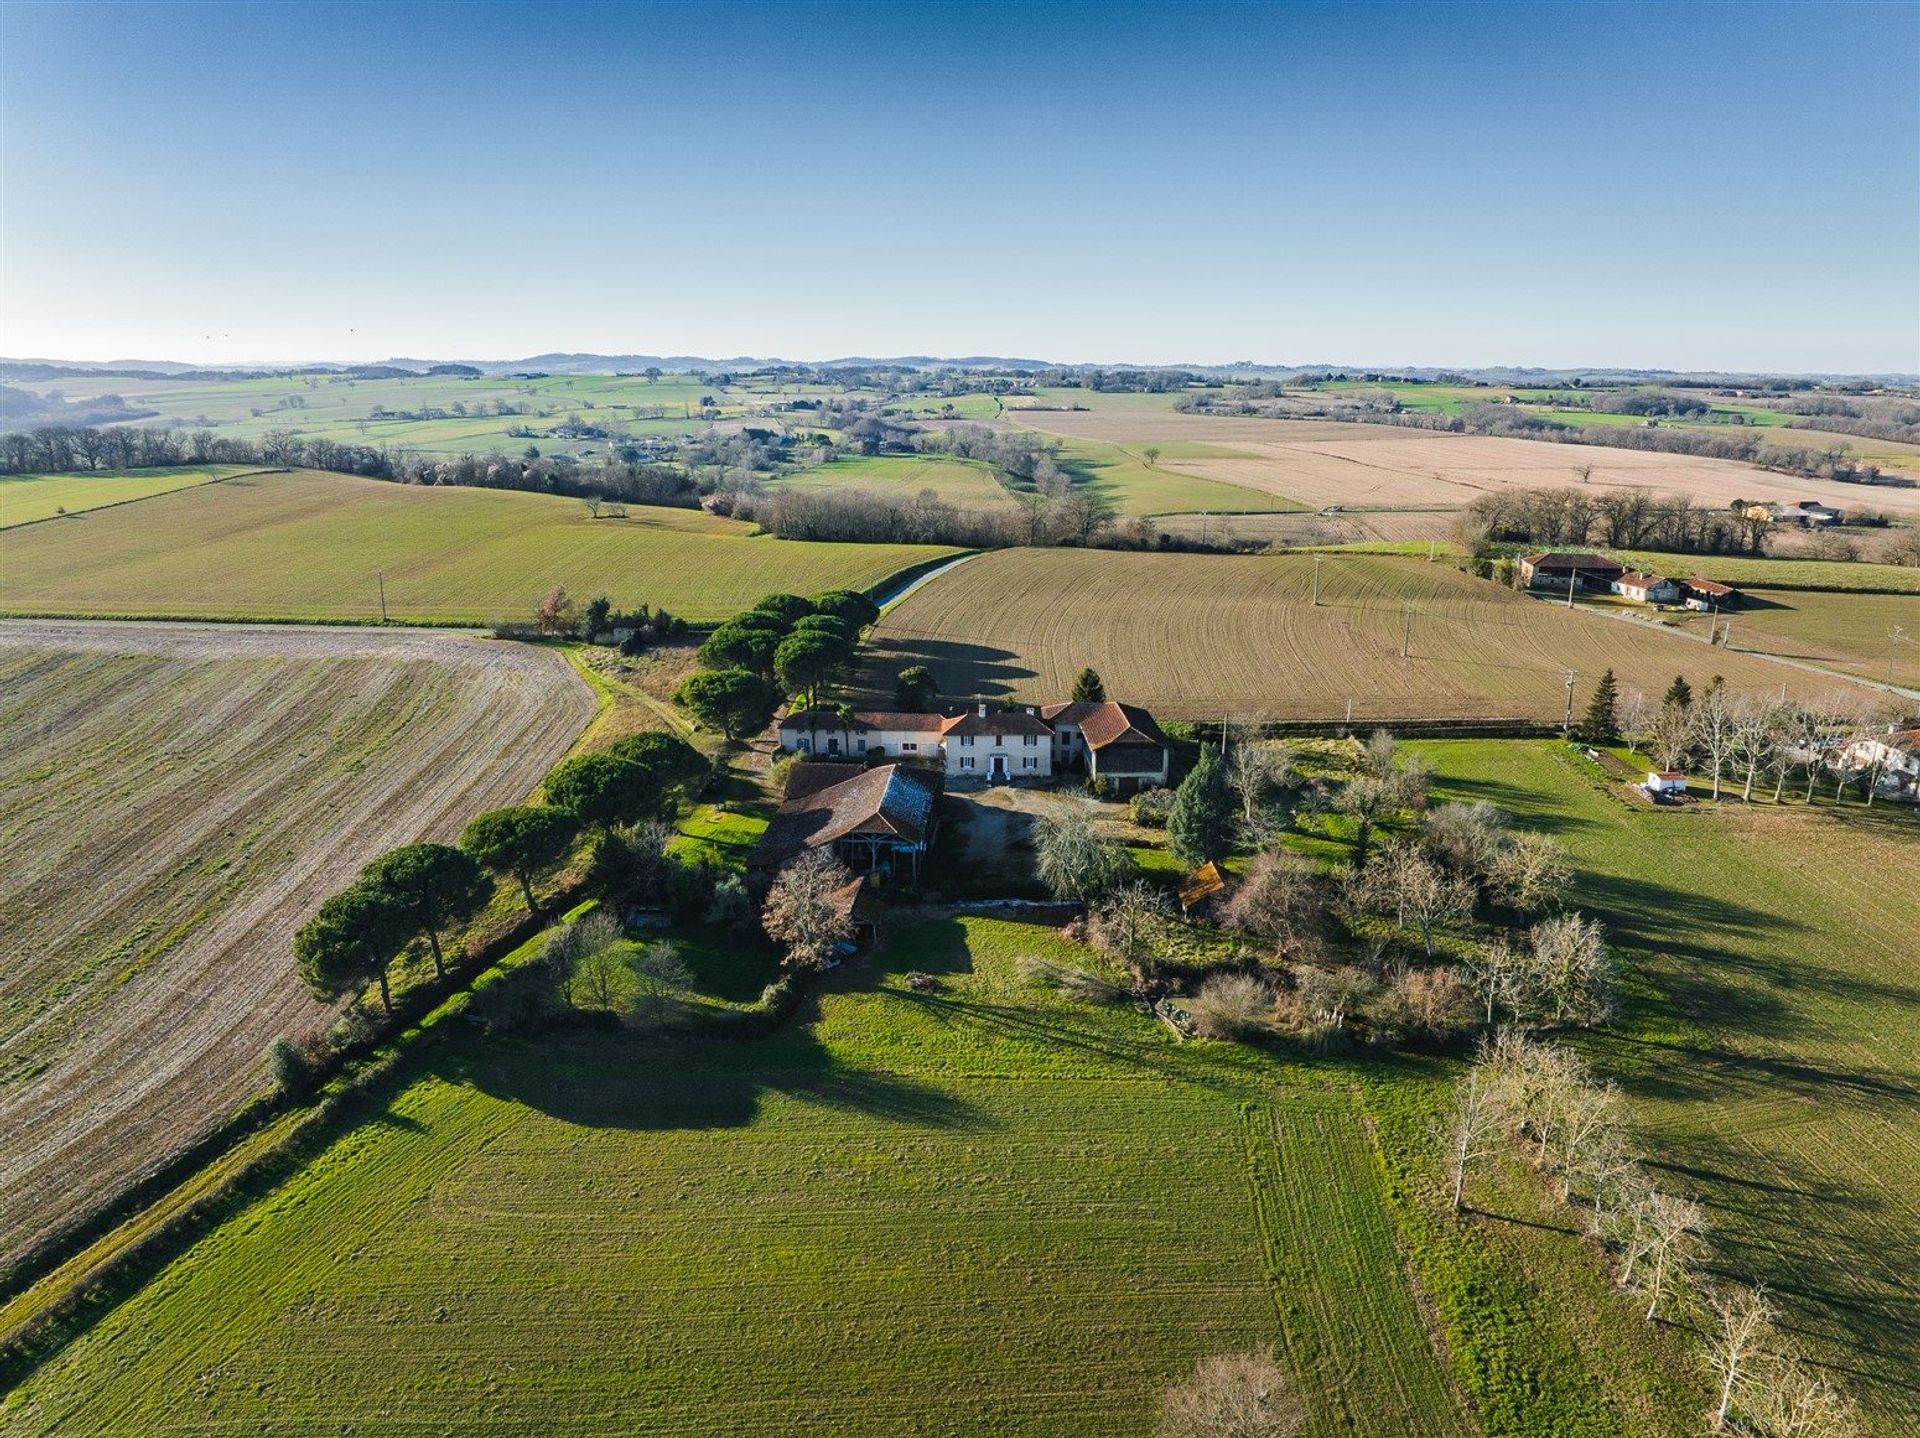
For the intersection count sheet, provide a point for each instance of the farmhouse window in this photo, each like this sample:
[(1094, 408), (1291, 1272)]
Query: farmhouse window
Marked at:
[(862, 746), (966, 763), (1030, 741), (966, 741), (909, 746), (1029, 763)]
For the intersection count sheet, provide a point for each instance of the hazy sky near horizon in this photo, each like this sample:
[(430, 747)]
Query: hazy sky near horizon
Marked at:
[(1717, 186)]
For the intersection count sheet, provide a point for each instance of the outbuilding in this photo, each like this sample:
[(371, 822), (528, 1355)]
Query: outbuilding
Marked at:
[(1666, 781)]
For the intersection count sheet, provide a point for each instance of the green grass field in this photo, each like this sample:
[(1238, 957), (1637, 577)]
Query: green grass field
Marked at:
[(1876, 636), (1122, 474), (978, 1209), (27, 498), (1741, 570), (370, 411), (309, 545), (969, 484), (1779, 1077)]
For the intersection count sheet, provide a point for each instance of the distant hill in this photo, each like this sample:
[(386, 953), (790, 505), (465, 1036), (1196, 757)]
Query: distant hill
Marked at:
[(587, 362)]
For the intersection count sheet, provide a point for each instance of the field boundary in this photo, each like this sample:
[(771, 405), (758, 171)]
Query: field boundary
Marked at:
[(137, 499), (50, 1325)]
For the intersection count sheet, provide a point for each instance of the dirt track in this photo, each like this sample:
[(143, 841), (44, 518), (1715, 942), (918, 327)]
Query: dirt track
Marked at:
[(174, 801)]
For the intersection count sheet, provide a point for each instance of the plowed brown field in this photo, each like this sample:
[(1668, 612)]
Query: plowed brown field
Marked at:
[(1320, 462), (1195, 636), (174, 801)]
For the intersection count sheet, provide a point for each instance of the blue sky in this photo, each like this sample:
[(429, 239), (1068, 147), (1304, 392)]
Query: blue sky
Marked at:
[(1729, 186)]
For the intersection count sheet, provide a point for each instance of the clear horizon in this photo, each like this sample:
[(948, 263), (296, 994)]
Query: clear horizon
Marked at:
[(1649, 187)]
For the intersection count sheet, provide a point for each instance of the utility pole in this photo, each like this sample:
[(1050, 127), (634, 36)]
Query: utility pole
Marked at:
[(1406, 633), (383, 595), (1316, 581), (1571, 578), (1566, 725)]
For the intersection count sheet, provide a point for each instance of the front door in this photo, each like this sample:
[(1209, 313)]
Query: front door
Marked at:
[(997, 774)]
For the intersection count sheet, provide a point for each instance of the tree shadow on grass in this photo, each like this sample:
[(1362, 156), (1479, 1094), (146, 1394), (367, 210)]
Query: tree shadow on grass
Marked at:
[(618, 1080)]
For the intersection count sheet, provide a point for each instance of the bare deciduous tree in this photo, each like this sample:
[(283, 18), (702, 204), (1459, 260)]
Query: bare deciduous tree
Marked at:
[(1529, 873), (1072, 859), (1572, 971), (1474, 1127), (1236, 1395), (1125, 921), (1282, 899), (1672, 1229), (800, 911), (1743, 1320)]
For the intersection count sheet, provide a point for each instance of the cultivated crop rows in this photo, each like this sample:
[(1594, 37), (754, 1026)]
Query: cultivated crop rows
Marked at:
[(1198, 636), (173, 802)]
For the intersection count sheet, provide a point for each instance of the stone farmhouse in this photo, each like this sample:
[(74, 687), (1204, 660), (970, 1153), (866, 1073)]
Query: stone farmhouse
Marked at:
[(1557, 570), (1116, 742)]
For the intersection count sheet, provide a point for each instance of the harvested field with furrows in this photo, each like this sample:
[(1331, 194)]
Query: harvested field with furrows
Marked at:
[(1384, 466), (311, 545), (1195, 636), (174, 801)]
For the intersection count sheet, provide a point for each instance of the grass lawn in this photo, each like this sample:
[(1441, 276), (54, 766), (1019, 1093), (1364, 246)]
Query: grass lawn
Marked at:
[(1779, 1077), (311, 545), (25, 498)]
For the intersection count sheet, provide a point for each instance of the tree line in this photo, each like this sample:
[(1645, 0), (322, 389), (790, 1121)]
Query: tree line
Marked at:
[(420, 893), (1539, 1103), (1619, 518)]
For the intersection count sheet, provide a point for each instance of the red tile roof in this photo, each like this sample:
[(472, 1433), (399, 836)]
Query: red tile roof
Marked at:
[(1010, 721), (1108, 723)]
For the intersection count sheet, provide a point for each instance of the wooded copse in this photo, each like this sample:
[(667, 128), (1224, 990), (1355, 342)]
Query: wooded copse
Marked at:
[(784, 646)]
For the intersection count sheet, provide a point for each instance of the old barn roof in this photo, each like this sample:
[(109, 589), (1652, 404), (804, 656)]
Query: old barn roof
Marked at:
[(891, 801)]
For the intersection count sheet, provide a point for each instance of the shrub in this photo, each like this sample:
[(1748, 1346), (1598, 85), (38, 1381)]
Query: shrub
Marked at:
[(291, 1069), (1232, 1006), (730, 902), (1150, 807), (1070, 982)]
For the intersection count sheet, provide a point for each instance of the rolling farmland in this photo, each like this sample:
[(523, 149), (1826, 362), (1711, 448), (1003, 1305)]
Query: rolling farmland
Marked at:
[(967, 484), (980, 1201), (29, 498), (174, 801), (1196, 636), (1778, 1075), (308, 545), (1318, 463)]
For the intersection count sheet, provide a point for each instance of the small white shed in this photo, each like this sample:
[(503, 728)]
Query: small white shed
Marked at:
[(1666, 781)]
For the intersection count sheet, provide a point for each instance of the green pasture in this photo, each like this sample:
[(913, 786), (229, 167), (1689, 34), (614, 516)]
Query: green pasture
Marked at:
[(1745, 571), (977, 1209), (1771, 1055), (968, 484), (314, 546), (25, 498), (1122, 474)]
